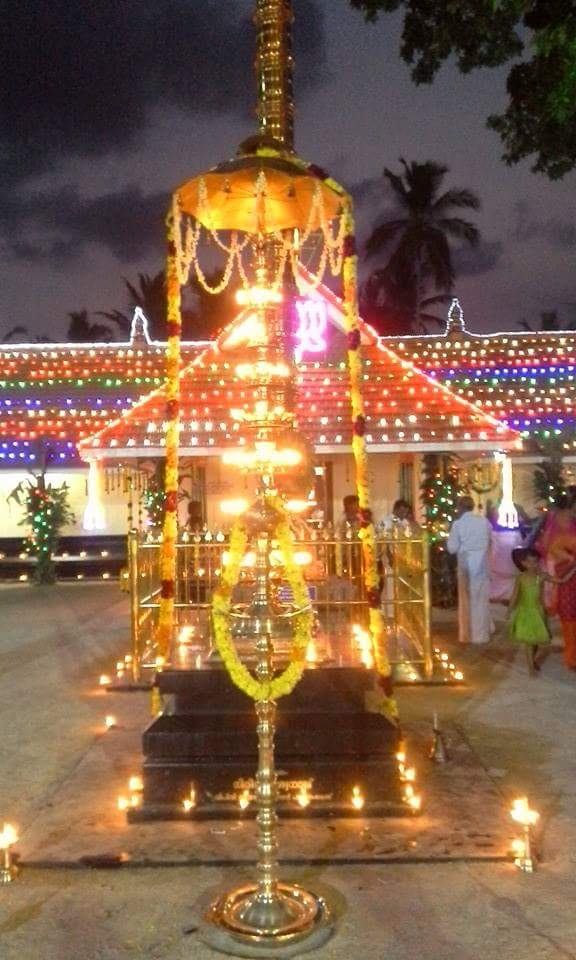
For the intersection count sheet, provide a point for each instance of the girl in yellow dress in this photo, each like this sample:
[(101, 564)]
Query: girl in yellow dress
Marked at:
[(528, 622)]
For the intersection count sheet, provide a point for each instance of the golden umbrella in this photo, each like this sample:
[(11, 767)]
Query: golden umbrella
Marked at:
[(260, 194)]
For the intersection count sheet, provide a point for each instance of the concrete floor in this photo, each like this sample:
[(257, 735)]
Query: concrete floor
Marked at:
[(54, 642)]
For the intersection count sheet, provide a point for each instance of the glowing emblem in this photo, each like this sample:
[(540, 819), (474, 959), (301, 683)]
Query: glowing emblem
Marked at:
[(311, 332)]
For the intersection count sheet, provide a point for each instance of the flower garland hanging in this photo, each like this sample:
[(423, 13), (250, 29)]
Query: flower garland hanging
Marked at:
[(367, 531), (170, 526), (285, 682)]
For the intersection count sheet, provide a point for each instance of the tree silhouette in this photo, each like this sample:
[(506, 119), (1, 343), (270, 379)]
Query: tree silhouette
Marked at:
[(536, 37), (419, 271), (203, 313), (17, 331), (549, 323), (82, 330)]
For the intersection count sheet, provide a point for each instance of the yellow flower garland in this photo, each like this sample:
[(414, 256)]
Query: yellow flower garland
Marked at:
[(387, 703), (283, 684), (170, 529)]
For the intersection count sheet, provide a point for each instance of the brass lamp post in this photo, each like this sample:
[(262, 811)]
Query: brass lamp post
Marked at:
[(268, 915)]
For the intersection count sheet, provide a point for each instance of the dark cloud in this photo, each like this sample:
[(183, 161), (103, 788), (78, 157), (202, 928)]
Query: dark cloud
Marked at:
[(472, 261), (57, 227), (559, 232), (84, 79), (80, 79)]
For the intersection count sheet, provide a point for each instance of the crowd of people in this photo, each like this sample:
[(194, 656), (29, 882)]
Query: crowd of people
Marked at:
[(542, 556)]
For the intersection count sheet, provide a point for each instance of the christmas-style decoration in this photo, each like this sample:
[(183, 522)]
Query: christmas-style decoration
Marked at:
[(549, 478), (440, 490), (155, 502), (46, 513)]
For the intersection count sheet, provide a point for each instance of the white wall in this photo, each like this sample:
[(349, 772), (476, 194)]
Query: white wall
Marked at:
[(384, 476), (11, 513)]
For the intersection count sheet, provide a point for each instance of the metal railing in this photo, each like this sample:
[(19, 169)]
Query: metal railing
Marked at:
[(335, 581)]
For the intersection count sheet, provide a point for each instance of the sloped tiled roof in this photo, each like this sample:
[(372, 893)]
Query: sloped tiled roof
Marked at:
[(62, 392), (404, 408), (527, 380)]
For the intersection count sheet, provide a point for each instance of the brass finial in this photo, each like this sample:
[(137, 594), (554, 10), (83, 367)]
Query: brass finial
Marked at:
[(274, 68)]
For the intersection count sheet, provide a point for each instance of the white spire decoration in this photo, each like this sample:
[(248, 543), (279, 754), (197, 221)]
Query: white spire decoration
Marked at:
[(139, 329), (507, 513), (455, 322), (94, 514)]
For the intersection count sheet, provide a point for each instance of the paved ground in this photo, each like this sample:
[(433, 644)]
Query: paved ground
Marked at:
[(54, 642)]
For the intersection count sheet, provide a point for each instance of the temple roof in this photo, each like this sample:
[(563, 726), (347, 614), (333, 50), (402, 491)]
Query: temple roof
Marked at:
[(405, 409), (58, 393), (527, 380)]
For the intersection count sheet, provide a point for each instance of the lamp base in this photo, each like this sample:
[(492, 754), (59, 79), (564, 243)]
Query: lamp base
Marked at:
[(8, 874), (242, 923)]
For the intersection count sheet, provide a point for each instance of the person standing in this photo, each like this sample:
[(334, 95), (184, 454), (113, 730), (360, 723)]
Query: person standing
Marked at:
[(528, 623), (470, 538), (401, 519), (558, 543)]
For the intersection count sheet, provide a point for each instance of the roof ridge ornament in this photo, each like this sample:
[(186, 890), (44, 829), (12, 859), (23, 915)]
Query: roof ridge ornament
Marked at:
[(455, 322), (139, 333)]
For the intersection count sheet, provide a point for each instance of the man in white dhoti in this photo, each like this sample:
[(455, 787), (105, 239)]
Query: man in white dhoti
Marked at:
[(469, 539)]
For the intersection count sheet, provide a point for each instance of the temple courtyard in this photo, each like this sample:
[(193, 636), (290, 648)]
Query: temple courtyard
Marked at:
[(438, 885)]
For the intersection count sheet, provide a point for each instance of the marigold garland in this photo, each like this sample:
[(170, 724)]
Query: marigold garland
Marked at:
[(283, 684), (170, 526), (367, 534)]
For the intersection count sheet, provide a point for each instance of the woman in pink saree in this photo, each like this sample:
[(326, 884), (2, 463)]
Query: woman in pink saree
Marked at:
[(557, 544)]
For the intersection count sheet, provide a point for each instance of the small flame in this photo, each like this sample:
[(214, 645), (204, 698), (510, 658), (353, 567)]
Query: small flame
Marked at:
[(357, 798), (518, 848), (8, 836), (135, 783), (109, 721), (104, 680), (522, 813), (311, 652), (303, 797), (244, 800), (363, 641)]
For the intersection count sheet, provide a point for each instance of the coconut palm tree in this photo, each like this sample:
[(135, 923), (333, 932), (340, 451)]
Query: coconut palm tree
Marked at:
[(203, 314), (82, 330), (17, 331), (417, 242)]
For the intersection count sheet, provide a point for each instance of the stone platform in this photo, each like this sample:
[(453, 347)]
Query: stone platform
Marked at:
[(326, 740), (464, 817)]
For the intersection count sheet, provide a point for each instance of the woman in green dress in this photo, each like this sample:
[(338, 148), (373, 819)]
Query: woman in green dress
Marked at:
[(528, 623)]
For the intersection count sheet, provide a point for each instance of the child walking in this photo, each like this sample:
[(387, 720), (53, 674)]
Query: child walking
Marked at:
[(528, 623)]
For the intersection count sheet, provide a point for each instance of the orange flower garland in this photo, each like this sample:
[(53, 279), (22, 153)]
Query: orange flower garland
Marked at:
[(170, 529), (367, 530)]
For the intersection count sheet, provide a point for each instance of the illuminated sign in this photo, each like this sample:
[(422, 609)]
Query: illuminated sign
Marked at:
[(312, 324)]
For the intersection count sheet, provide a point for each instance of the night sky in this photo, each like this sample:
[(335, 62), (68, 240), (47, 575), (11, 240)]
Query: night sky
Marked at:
[(106, 106)]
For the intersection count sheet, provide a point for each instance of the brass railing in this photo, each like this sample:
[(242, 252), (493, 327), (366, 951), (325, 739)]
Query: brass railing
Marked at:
[(334, 577)]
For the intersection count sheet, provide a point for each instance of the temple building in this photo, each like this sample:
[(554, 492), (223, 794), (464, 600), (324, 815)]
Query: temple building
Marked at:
[(464, 394), (408, 414)]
